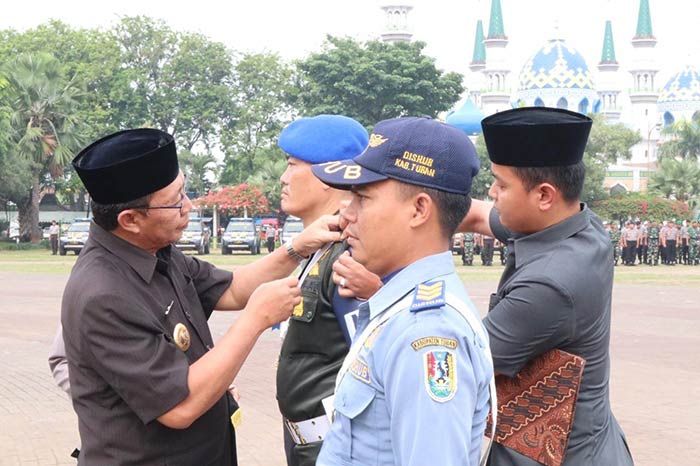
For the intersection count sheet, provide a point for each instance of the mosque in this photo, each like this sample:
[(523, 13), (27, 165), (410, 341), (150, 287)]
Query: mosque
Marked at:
[(557, 75)]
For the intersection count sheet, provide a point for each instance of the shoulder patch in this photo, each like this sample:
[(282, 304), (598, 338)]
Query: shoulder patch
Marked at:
[(440, 375), (434, 341), (428, 296), (360, 370)]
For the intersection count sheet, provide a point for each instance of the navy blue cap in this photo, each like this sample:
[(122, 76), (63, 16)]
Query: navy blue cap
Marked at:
[(323, 138), (536, 137), (413, 150), (127, 165)]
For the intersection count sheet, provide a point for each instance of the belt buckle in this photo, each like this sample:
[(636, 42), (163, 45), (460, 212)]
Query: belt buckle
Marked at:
[(295, 432)]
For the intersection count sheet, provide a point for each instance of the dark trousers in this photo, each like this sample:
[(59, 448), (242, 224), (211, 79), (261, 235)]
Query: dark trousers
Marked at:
[(487, 252), (685, 251), (631, 252), (300, 455), (270, 244), (54, 244), (671, 251), (642, 253)]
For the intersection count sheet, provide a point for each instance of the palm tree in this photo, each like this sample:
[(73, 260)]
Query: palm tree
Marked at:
[(44, 130), (684, 139), (677, 179)]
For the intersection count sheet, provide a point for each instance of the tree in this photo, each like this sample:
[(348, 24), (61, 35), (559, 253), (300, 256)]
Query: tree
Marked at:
[(684, 139), (240, 200), (677, 179), (483, 180), (642, 206), (607, 143), (374, 81), (200, 171), (267, 178), (262, 88), (178, 82), (44, 131)]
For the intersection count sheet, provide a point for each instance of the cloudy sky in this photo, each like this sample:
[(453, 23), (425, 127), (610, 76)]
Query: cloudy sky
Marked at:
[(295, 28)]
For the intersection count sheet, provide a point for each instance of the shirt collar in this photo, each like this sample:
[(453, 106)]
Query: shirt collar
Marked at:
[(143, 263), (528, 246), (408, 278)]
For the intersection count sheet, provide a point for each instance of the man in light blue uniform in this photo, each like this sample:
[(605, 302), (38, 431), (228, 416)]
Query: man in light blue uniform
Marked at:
[(414, 389)]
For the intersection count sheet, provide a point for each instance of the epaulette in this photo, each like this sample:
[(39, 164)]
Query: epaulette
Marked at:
[(428, 296)]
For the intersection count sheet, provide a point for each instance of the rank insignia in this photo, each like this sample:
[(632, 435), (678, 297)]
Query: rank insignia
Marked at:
[(181, 336), (440, 375), (428, 296)]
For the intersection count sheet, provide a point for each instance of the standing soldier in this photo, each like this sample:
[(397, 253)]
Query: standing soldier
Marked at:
[(685, 244), (270, 237), (631, 237), (653, 244), (694, 234), (468, 249), (662, 242), (672, 243), (487, 250), (643, 245), (53, 236), (615, 239)]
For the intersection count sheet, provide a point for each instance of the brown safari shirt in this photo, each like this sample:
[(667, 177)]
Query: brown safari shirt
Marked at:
[(120, 308)]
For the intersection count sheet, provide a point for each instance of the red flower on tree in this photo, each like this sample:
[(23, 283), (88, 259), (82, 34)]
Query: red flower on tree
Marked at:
[(236, 200)]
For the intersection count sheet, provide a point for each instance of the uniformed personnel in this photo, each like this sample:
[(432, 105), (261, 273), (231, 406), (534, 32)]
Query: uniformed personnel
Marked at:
[(148, 385), (414, 389), (322, 325), (556, 289)]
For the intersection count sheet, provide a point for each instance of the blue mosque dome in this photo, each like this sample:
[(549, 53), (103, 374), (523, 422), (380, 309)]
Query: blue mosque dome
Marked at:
[(681, 95), (467, 118), (557, 76)]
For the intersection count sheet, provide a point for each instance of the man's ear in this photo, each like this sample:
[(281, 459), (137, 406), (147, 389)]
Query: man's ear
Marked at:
[(547, 194), (130, 220), (423, 207)]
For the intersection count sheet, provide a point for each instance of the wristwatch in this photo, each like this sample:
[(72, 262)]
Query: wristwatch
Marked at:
[(292, 253)]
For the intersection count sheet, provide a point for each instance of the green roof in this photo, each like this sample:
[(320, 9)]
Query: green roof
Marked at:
[(644, 21), (496, 29), (479, 48), (608, 45)]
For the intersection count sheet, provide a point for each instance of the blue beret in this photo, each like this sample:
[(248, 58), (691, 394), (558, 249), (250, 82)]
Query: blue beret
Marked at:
[(324, 138)]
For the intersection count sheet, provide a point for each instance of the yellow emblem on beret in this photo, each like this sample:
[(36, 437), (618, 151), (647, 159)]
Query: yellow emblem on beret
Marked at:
[(181, 336), (376, 140)]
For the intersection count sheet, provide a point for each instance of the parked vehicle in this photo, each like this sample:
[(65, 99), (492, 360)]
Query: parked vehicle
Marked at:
[(458, 244), (75, 237), (240, 235), (195, 237), (292, 227)]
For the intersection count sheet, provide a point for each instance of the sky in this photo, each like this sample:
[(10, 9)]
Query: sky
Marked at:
[(296, 28)]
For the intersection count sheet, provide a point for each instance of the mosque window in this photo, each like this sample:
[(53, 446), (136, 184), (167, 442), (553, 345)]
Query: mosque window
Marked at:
[(563, 103), (583, 106), (668, 119), (539, 102)]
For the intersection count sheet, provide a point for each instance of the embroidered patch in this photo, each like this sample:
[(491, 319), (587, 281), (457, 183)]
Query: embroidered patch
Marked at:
[(314, 270), (434, 341), (428, 296), (299, 309), (360, 370), (440, 375), (376, 140)]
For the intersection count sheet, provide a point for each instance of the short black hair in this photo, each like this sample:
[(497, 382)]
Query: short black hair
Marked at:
[(452, 208), (568, 179), (106, 215)]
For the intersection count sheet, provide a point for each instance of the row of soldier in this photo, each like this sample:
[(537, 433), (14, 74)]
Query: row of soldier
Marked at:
[(654, 243)]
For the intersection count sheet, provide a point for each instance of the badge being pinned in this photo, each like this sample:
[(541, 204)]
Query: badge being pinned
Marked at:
[(440, 375)]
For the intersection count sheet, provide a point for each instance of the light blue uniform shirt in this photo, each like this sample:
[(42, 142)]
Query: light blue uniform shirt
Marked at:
[(418, 391)]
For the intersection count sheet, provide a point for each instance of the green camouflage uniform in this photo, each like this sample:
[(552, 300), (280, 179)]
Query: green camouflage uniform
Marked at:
[(615, 236), (694, 254), (468, 249), (653, 254)]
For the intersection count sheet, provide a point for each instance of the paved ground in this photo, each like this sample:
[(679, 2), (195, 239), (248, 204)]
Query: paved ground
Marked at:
[(655, 382)]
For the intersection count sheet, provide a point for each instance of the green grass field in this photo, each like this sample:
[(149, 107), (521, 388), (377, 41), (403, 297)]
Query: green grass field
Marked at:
[(41, 261)]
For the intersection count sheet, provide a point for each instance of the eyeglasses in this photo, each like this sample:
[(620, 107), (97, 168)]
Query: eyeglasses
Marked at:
[(178, 205)]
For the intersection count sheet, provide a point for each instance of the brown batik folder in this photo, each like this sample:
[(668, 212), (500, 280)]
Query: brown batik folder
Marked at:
[(536, 407)]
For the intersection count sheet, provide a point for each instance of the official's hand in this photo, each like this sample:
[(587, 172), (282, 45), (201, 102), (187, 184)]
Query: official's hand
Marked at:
[(273, 302), (324, 230), (353, 279)]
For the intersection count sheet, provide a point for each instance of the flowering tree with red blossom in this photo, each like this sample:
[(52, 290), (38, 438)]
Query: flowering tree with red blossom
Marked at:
[(236, 201)]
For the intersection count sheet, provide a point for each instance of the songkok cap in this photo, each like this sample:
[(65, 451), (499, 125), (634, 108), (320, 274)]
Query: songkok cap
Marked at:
[(323, 138), (414, 150), (127, 165), (536, 137)]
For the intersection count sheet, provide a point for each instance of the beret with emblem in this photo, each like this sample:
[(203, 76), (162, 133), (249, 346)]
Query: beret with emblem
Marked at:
[(323, 138), (127, 165), (414, 150), (536, 137)]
